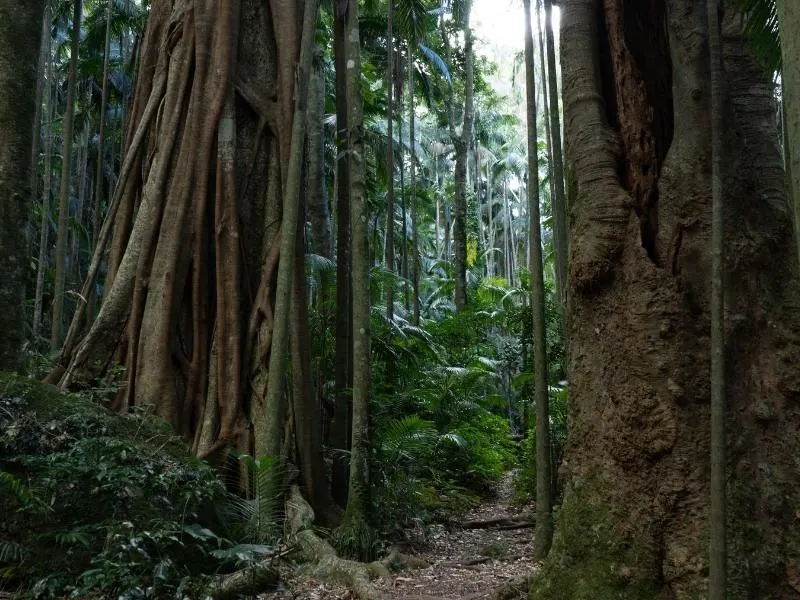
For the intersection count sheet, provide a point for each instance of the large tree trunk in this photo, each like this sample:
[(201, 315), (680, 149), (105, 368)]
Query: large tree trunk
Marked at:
[(20, 35), (190, 307), (635, 518)]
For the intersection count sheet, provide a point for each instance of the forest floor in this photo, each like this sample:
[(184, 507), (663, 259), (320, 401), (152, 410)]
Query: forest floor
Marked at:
[(469, 564)]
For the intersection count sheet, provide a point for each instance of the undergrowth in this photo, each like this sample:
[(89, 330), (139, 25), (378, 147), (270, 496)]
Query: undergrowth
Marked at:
[(98, 504)]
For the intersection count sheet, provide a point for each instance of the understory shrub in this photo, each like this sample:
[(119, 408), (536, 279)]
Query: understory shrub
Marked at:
[(98, 504)]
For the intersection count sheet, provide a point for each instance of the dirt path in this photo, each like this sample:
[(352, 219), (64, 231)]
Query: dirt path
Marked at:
[(464, 564), (470, 564)]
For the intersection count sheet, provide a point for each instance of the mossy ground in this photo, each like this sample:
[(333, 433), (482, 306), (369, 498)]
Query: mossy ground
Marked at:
[(592, 559)]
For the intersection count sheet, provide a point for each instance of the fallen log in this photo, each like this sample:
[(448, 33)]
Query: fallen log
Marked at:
[(501, 523)]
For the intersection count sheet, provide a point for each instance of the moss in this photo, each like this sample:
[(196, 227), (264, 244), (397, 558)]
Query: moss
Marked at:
[(592, 559)]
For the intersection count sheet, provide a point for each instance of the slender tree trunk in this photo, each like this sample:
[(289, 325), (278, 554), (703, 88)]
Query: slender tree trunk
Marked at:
[(412, 123), (640, 311), (66, 174), (356, 513), (558, 200), (403, 195), (41, 81), (319, 213), (717, 560), (99, 177), (44, 226), (341, 427), (544, 516), (789, 20), (270, 436), (390, 51), (462, 145), (20, 31)]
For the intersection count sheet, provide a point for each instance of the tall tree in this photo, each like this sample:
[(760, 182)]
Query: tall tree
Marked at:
[(462, 142), (544, 515), (717, 561), (558, 201), (789, 22), (20, 35), (638, 155), (191, 302), (66, 176), (341, 427), (390, 53), (356, 516), (47, 178)]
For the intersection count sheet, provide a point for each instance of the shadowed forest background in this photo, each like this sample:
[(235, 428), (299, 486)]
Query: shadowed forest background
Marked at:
[(309, 289)]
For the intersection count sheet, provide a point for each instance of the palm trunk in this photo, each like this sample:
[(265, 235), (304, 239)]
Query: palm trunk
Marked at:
[(789, 20), (544, 501), (717, 526), (341, 426), (558, 201), (390, 51), (66, 173), (415, 258), (356, 515), (462, 145), (44, 227)]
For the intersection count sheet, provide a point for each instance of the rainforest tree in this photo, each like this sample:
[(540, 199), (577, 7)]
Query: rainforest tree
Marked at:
[(638, 147)]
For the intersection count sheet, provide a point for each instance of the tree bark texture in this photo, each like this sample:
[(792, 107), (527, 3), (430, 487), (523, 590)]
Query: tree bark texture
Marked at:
[(20, 35), (638, 147), (190, 301)]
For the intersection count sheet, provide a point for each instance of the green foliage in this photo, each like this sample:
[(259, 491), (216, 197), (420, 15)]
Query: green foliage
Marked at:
[(101, 503)]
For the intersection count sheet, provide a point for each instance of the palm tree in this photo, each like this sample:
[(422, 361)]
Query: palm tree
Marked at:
[(544, 517)]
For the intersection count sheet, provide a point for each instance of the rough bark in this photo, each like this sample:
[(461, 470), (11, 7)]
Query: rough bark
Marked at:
[(190, 299), (20, 34), (66, 175), (637, 461), (789, 22), (268, 438), (544, 501)]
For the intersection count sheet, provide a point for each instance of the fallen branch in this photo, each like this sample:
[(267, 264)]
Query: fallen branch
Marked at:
[(501, 523)]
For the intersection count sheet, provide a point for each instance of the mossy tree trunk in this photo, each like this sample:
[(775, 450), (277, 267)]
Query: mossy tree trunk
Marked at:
[(190, 302), (20, 34), (635, 519)]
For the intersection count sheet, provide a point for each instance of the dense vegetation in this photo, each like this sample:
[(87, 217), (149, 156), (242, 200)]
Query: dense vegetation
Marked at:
[(288, 263)]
